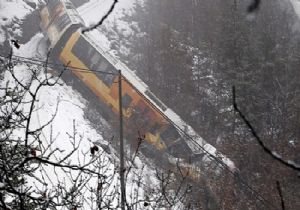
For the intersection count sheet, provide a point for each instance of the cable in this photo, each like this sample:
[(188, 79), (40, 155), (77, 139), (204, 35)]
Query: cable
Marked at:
[(42, 63)]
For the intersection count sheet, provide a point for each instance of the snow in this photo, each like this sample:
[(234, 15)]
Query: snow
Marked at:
[(292, 143), (276, 154), (291, 162), (10, 11), (70, 109), (69, 115), (13, 9), (32, 49), (94, 10)]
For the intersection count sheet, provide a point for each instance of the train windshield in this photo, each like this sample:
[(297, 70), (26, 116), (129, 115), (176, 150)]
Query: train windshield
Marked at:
[(93, 60)]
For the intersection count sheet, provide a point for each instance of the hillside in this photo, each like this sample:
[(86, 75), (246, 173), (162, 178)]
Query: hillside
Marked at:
[(190, 54)]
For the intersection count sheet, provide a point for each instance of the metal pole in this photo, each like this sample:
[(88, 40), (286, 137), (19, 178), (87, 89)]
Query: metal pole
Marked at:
[(122, 170)]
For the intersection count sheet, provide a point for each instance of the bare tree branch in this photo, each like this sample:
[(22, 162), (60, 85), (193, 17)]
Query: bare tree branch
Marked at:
[(280, 195), (273, 154), (102, 19)]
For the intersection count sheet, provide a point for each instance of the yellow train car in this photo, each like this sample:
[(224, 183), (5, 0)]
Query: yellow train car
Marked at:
[(140, 114), (144, 114)]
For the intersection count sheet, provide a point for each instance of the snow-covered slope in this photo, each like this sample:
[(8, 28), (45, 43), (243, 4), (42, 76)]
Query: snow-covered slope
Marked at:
[(11, 15), (94, 10), (68, 107), (90, 17)]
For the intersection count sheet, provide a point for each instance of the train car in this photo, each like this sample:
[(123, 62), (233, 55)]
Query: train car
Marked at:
[(163, 130), (143, 112)]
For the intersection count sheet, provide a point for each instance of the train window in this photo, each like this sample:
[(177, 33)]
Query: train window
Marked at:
[(155, 100), (94, 60), (170, 135), (108, 79), (126, 101), (81, 50)]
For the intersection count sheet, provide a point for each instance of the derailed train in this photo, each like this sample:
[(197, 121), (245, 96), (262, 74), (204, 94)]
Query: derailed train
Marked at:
[(162, 129)]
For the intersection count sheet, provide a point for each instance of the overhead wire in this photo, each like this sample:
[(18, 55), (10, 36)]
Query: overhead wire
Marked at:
[(42, 63)]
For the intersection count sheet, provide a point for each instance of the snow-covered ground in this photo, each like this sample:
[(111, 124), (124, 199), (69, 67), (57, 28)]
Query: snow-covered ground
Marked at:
[(94, 10), (91, 17), (11, 15), (68, 107)]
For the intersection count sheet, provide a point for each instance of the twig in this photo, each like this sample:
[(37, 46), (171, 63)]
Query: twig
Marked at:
[(280, 195), (102, 19), (140, 140)]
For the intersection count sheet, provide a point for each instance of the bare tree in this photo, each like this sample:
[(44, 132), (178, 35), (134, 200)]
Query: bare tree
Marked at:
[(25, 158), (35, 174)]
